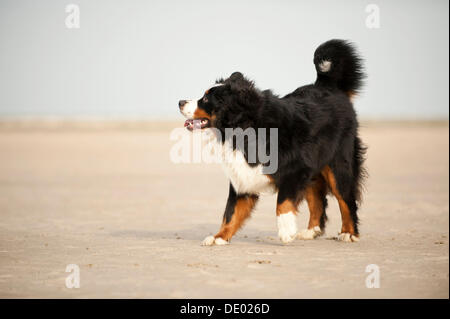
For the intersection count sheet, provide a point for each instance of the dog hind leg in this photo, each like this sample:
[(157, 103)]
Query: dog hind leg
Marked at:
[(316, 197)]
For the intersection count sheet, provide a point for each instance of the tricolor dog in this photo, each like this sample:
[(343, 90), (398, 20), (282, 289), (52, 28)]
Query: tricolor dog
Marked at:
[(318, 148)]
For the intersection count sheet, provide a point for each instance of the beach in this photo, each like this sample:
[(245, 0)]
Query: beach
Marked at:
[(107, 198)]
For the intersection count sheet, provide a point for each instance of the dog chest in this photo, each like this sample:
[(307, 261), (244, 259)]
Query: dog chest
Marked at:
[(243, 177)]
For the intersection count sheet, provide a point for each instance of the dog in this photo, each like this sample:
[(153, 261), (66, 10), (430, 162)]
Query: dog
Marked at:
[(319, 150)]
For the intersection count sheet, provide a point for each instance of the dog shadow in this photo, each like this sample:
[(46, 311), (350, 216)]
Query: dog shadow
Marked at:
[(198, 233)]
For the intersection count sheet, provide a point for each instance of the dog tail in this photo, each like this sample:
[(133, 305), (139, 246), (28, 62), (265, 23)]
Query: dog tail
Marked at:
[(338, 65)]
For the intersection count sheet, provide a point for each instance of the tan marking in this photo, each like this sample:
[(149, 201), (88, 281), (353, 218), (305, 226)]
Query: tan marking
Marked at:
[(200, 114), (347, 223), (242, 211), (314, 193), (351, 95), (286, 207), (271, 180)]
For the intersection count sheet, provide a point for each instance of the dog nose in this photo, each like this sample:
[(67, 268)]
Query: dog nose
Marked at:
[(181, 103)]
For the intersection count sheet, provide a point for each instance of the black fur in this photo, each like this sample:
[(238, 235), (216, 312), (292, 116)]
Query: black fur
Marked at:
[(346, 71), (317, 125)]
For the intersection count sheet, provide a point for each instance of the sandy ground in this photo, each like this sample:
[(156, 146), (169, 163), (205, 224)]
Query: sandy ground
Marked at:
[(110, 201)]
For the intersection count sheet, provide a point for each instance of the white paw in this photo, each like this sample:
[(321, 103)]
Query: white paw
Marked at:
[(307, 234), (287, 227), (211, 240), (286, 238), (208, 241), (347, 237), (220, 241)]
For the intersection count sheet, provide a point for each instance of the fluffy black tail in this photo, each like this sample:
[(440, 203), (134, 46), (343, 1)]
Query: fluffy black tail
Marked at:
[(339, 66)]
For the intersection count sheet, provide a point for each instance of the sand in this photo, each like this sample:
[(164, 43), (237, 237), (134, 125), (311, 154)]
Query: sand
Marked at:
[(108, 199)]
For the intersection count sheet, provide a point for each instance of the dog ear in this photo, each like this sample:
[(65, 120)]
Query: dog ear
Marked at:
[(238, 82), (236, 76)]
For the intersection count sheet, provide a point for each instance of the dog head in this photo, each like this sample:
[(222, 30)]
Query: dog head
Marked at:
[(224, 104)]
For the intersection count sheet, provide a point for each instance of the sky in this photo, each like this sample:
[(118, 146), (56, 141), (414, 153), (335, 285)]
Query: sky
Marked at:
[(136, 59)]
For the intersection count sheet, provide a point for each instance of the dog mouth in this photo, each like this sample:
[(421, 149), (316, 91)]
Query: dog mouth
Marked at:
[(196, 124)]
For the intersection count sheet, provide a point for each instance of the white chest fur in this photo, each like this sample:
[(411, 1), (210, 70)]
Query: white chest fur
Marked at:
[(243, 177)]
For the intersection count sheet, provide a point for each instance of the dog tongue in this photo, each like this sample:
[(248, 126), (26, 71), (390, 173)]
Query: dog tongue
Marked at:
[(193, 124)]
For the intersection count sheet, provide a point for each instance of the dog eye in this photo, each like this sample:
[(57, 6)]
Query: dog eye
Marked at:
[(205, 99)]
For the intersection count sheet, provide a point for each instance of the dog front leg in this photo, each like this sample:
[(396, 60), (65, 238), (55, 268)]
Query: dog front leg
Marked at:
[(238, 209)]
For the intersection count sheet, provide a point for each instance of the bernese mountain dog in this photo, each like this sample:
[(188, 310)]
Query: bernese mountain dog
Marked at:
[(319, 151)]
